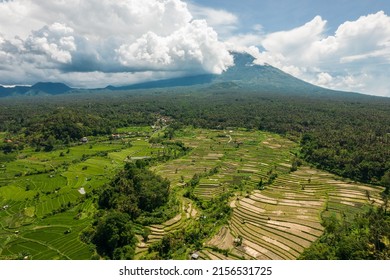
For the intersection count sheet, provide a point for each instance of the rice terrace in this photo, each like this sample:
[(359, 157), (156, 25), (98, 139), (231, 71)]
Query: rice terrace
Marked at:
[(244, 186)]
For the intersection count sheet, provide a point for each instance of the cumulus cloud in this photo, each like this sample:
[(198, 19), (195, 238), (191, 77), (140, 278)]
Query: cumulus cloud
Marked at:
[(296, 40), (355, 58), (3, 54), (193, 46), (222, 21), (84, 36), (324, 78), (55, 41)]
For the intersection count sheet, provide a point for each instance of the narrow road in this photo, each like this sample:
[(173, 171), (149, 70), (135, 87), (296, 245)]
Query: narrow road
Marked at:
[(230, 138)]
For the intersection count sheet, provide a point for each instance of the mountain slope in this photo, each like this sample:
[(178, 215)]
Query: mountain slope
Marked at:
[(244, 74), (36, 89), (51, 88), (175, 82), (8, 91), (261, 77)]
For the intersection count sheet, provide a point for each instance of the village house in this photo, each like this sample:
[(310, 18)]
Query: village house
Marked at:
[(195, 256), (115, 136)]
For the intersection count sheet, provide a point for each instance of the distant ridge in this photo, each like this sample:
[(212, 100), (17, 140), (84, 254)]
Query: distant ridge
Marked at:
[(36, 89), (175, 82), (51, 88), (7, 91)]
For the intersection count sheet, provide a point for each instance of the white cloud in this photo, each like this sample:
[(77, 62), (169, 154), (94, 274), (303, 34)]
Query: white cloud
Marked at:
[(222, 21), (296, 40), (324, 79), (54, 38), (355, 58), (192, 47), (55, 41), (15, 17), (244, 40), (120, 18)]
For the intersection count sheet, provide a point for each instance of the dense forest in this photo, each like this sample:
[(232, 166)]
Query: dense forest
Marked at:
[(136, 191), (347, 134), (135, 196), (365, 237)]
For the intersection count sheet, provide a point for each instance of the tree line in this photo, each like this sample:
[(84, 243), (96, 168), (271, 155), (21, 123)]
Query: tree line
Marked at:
[(364, 237)]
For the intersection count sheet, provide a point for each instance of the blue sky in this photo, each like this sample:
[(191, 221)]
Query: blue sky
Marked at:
[(277, 15), (343, 45)]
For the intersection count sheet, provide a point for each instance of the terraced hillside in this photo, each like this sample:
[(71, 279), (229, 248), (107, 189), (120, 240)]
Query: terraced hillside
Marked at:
[(47, 198), (285, 218), (276, 213)]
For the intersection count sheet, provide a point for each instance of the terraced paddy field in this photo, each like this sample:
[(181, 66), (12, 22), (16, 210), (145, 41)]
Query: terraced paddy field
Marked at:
[(277, 220), (46, 198), (180, 222)]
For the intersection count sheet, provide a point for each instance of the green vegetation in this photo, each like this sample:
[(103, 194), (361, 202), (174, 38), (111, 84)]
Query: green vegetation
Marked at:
[(135, 190), (114, 237), (386, 182), (163, 175), (179, 243), (48, 198), (225, 194), (365, 237)]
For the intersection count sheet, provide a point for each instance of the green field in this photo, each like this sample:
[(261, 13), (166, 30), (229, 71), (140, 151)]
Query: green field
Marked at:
[(44, 202), (45, 199)]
